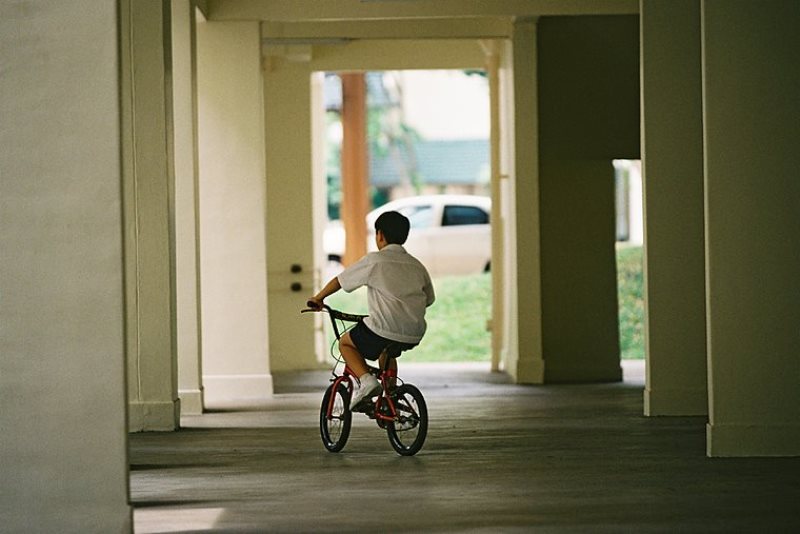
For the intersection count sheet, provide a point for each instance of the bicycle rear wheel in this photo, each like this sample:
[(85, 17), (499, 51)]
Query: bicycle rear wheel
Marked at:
[(336, 429), (408, 431)]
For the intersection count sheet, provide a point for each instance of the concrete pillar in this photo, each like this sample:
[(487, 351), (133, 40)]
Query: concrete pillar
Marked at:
[(232, 213), (751, 134), (149, 241), (524, 335), (355, 168), (290, 203), (184, 70), (507, 213), (672, 153), (493, 51), (319, 219), (589, 115), (63, 449)]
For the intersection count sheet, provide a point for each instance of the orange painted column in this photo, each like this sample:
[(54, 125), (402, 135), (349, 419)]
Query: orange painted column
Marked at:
[(355, 185)]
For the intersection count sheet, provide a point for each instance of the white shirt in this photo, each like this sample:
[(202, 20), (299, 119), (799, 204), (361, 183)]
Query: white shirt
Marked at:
[(399, 289)]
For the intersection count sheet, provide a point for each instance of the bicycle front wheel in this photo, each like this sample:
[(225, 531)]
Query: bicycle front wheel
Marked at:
[(408, 431), (335, 429)]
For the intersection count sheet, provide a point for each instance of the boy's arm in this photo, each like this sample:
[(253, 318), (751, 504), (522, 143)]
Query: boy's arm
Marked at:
[(353, 276), (330, 288), (429, 293)]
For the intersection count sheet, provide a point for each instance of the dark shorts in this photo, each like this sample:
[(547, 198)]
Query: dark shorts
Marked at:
[(370, 344)]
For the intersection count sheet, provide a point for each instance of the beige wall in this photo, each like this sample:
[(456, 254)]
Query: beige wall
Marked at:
[(751, 135), (588, 115), (233, 210), (290, 214), (63, 449)]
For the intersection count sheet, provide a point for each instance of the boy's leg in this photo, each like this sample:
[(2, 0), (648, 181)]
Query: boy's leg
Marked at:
[(368, 385), (355, 361), (392, 366)]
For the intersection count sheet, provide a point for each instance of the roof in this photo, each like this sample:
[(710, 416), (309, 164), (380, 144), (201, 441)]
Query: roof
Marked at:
[(439, 162)]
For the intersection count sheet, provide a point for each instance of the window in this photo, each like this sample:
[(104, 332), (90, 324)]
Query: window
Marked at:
[(458, 215)]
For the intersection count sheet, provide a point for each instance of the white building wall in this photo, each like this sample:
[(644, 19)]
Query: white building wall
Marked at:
[(446, 104)]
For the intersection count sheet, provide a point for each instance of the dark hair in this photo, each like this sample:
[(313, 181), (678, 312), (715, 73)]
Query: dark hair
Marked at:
[(394, 225)]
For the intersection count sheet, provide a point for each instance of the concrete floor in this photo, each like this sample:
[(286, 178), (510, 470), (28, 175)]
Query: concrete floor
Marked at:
[(498, 458)]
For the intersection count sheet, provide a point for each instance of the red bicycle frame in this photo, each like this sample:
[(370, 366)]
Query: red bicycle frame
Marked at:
[(385, 377)]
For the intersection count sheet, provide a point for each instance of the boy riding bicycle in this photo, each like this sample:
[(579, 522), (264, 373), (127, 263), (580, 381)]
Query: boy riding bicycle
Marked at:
[(399, 289)]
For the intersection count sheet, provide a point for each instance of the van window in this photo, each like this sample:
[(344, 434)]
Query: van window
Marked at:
[(459, 215)]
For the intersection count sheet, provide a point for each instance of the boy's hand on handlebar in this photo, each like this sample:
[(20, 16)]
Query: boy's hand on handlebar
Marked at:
[(314, 303)]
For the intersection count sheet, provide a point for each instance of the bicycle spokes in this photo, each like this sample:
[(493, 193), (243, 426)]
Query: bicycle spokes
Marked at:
[(407, 416), (335, 418), (409, 428)]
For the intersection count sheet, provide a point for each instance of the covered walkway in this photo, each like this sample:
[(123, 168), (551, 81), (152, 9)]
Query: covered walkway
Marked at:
[(499, 457)]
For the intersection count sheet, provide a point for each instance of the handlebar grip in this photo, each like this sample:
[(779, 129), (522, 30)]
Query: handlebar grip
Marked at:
[(314, 307)]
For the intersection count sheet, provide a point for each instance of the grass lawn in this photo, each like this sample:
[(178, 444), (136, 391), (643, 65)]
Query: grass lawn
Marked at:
[(457, 320)]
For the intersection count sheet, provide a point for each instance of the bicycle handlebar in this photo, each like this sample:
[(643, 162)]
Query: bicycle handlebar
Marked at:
[(335, 314), (312, 307)]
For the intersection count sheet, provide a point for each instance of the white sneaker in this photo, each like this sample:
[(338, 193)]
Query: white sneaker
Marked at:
[(368, 387)]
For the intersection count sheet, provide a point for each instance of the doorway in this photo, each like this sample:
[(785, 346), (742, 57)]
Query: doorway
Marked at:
[(428, 153)]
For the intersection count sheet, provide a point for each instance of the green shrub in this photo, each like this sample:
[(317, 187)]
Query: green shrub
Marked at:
[(631, 302)]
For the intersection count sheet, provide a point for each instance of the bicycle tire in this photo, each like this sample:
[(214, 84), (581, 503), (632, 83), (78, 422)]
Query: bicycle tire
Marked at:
[(408, 432), (335, 431)]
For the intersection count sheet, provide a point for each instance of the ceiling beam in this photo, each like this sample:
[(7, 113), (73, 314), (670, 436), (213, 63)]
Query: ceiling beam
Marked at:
[(474, 28), (351, 10)]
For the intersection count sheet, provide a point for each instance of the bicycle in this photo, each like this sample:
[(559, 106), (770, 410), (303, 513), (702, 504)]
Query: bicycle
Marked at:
[(399, 408)]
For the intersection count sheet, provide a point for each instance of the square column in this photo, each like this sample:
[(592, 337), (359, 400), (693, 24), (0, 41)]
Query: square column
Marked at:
[(523, 344), (588, 92), (149, 239), (63, 450), (672, 164), (752, 134), (290, 224), (233, 213), (187, 252)]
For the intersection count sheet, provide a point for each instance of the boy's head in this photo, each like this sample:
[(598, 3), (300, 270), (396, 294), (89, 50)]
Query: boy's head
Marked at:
[(394, 226)]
